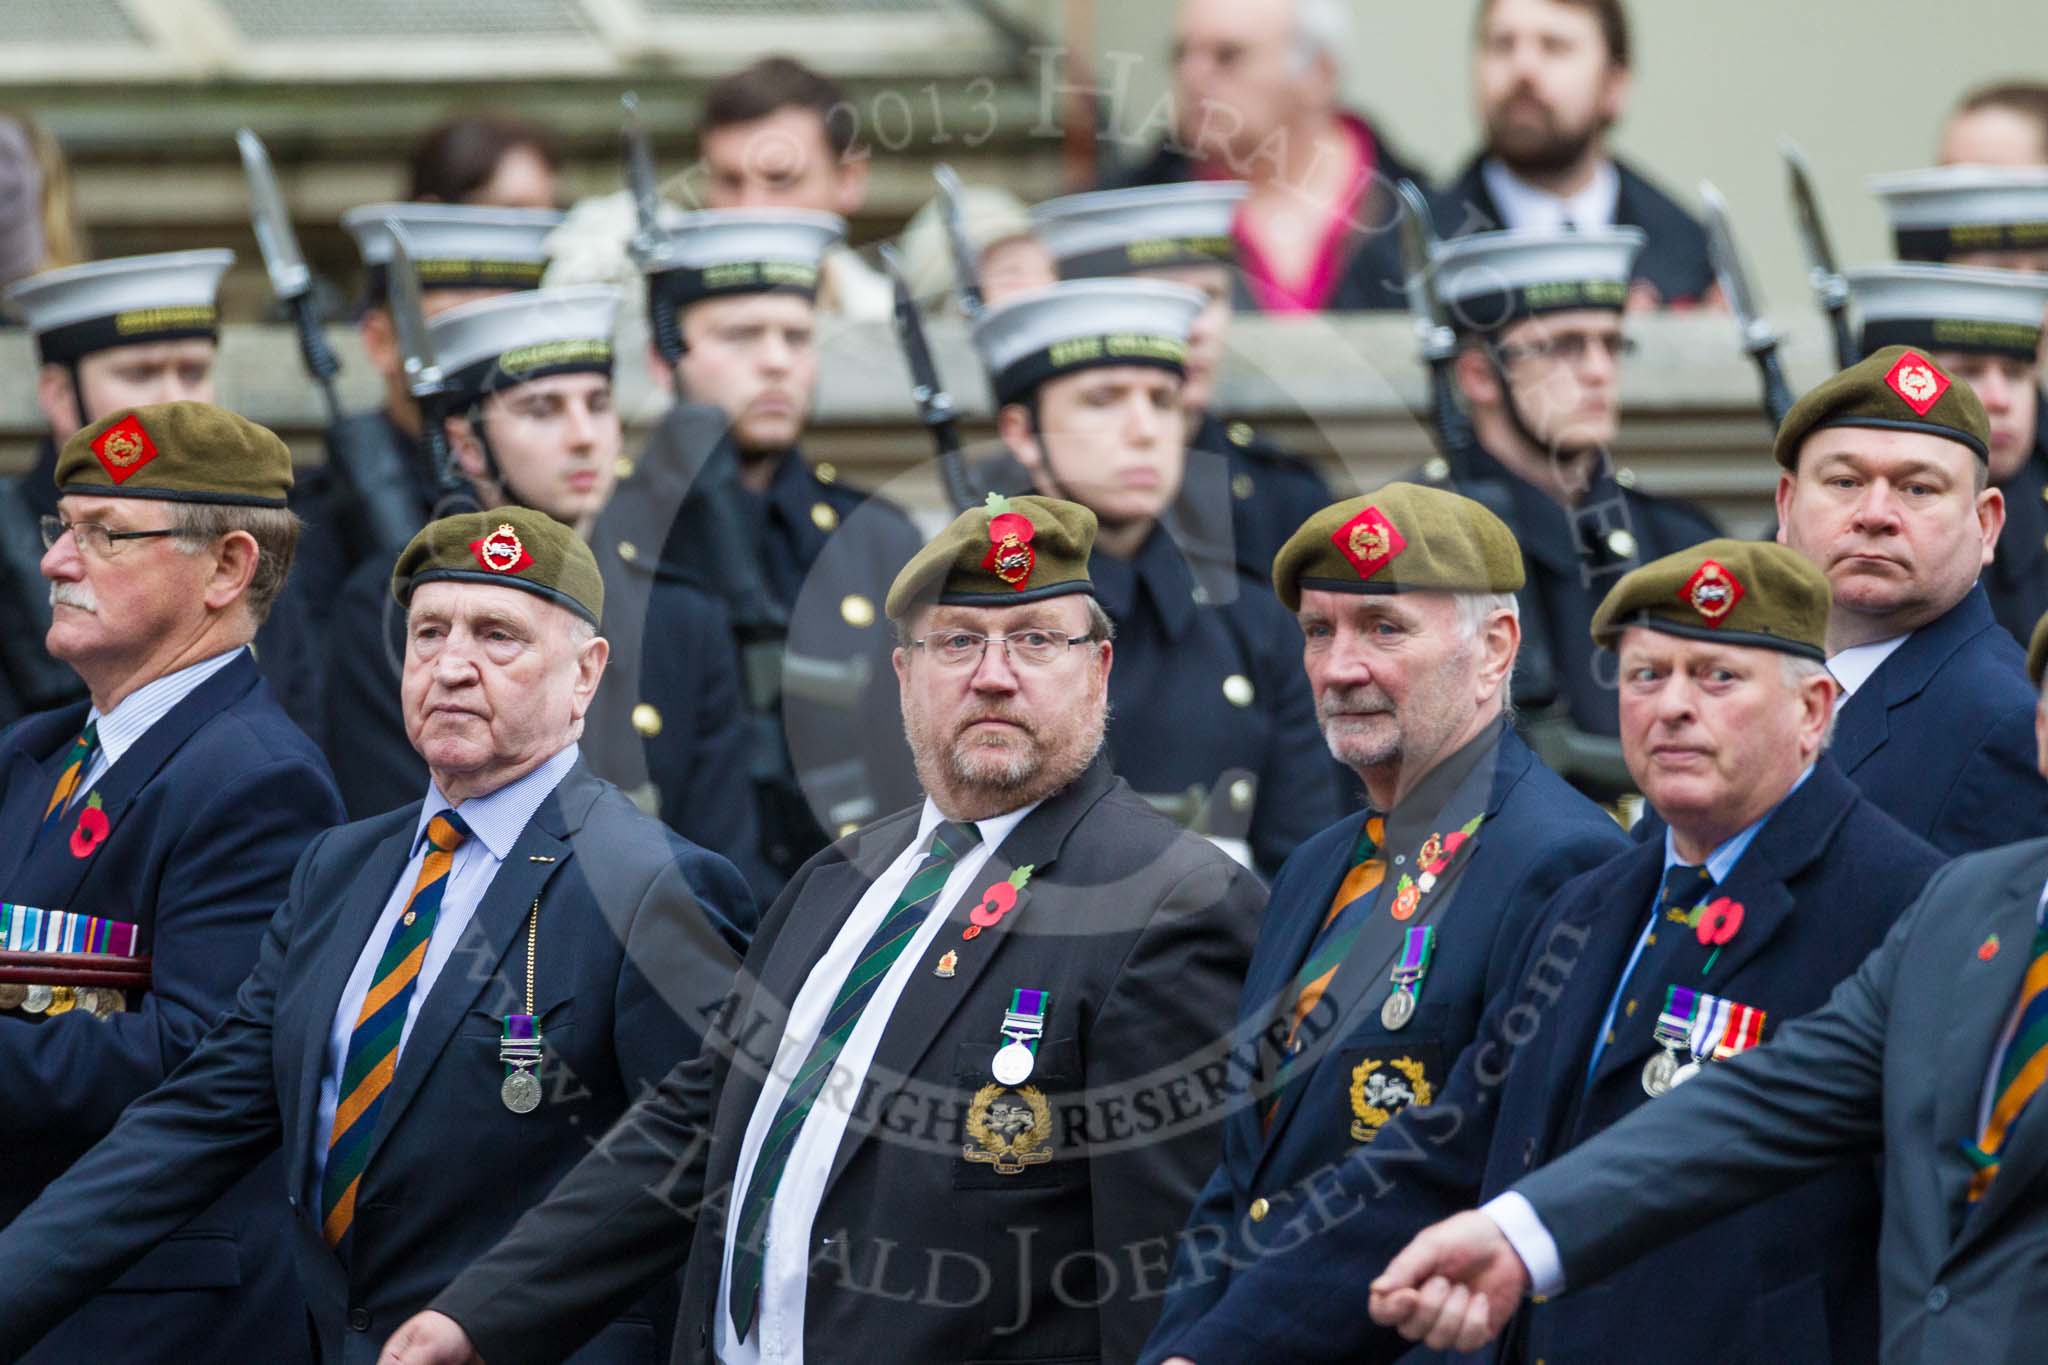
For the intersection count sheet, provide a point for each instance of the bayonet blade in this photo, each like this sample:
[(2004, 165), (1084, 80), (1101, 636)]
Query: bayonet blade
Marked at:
[(1418, 262), (408, 317), (966, 275), (640, 167), (1813, 230), (289, 277), (1728, 269)]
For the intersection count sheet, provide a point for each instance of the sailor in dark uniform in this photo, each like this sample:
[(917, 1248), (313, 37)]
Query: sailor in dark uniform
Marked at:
[(532, 377), (801, 560), (1991, 218), (1181, 234), (375, 492), (119, 333), (1540, 314), (1210, 716)]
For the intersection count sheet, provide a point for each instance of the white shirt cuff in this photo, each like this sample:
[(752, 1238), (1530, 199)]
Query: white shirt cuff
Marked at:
[(1516, 1218)]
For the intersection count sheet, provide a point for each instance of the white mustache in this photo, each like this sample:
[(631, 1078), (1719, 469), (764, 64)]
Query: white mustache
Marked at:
[(73, 595)]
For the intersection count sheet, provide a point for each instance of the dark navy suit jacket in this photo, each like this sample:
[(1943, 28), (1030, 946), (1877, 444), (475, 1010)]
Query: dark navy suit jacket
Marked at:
[(1538, 835), (207, 812), (1941, 736), (638, 936), (1792, 1278)]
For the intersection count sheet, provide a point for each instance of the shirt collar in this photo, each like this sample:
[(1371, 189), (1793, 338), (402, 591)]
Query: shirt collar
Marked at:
[(147, 704), (1522, 205), (499, 817), (1723, 859), (994, 830), (1853, 666)]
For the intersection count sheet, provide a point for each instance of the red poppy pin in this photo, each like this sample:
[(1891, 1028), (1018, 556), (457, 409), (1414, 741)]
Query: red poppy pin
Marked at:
[(1010, 556), (1406, 897), (92, 828), (1988, 949), (1719, 919), (998, 900)]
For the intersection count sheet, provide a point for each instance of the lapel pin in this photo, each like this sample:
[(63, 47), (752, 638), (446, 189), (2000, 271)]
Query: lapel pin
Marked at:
[(948, 963), (1988, 949), (995, 902), (538, 858)]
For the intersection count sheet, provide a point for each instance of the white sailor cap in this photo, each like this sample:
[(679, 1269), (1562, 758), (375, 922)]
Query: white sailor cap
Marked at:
[(496, 343), (1949, 210), (125, 301), (1491, 279), (1950, 308), (1151, 227), (1084, 325), (455, 246), (719, 252)]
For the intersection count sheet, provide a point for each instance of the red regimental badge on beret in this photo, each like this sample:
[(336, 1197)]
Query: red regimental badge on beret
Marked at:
[(123, 448), (1915, 380), (1369, 541), (501, 552), (1712, 592), (1010, 556)]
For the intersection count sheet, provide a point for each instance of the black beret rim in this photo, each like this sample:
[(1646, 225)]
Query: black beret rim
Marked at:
[(93, 490), (1007, 599), (1956, 434), (1611, 633), (555, 595), (1375, 587)]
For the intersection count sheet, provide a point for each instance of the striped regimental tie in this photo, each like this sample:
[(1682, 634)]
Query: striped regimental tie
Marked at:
[(373, 1042), (2020, 1072), (75, 764), (884, 946), (1349, 910)]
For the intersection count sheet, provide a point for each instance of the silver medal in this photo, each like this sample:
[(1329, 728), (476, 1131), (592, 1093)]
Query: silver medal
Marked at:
[(1399, 1009), (39, 999), (1659, 1073), (521, 1092), (1685, 1073), (1013, 1063)]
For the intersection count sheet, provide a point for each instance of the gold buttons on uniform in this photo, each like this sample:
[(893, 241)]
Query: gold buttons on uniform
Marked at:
[(825, 472), (1437, 470), (1625, 476), (1240, 433), (1621, 544), (823, 517), (1241, 794), (847, 828), (1259, 1209), (647, 720), (856, 611), (623, 467), (628, 551), (1237, 690), (1241, 487)]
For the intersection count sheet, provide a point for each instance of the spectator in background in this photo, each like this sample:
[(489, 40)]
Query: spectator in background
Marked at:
[(1257, 88), (1553, 78), (1008, 259), (1999, 125), (493, 159), (778, 135), (38, 220)]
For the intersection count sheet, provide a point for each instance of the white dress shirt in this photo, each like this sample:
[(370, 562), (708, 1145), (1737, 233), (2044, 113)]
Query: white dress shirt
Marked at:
[(121, 727), (778, 1335), (495, 823), (1853, 666), (1522, 205)]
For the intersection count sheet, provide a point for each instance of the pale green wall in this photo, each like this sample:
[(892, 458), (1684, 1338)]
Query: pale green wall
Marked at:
[(1862, 85)]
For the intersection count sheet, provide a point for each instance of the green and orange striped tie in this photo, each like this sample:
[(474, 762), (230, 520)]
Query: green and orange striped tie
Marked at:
[(373, 1042), (2019, 1074), (884, 946), (1349, 909), (75, 764)]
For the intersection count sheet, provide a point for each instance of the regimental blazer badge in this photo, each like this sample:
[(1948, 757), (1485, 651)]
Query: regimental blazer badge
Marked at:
[(1008, 1129), (1382, 1087)]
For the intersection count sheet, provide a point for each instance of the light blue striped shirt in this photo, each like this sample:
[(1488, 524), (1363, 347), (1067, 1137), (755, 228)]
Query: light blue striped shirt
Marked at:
[(129, 721), (495, 823)]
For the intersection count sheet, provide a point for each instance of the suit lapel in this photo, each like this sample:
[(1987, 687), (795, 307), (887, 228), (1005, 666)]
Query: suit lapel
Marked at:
[(1864, 723), (927, 1002), (335, 961), (1612, 916), (33, 763)]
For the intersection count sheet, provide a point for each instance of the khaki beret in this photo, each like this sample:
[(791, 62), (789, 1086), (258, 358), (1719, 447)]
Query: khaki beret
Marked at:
[(1895, 389), (1740, 592), (178, 452), (1007, 551), (1402, 537), (2037, 651), (514, 547)]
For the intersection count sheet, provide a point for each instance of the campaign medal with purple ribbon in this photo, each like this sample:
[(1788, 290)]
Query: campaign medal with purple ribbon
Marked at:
[(1674, 1031), (1409, 970), (1023, 1025), (519, 1050)]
